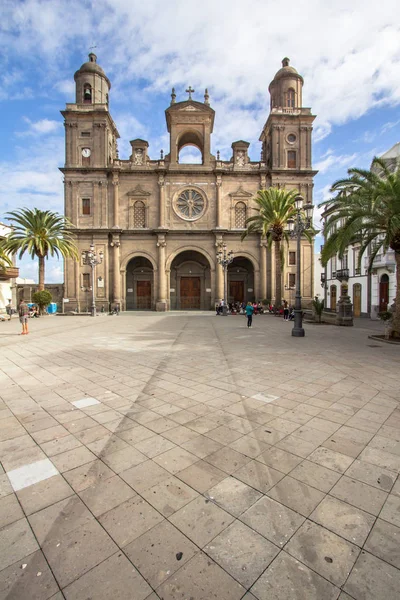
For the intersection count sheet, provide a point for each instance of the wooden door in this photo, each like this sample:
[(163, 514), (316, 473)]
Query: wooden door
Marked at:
[(190, 292), (236, 291), (143, 295), (357, 299), (333, 298), (383, 293)]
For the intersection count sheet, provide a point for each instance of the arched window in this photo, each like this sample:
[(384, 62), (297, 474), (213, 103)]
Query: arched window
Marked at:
[(87, 93), (291, 98), (139, 214), (240, 215)]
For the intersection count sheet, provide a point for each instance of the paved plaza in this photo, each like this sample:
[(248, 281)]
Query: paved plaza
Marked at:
[(183, 456)]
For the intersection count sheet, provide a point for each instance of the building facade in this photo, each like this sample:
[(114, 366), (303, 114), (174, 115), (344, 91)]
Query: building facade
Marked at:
[(8, 277), (159, 222), (371, 291)]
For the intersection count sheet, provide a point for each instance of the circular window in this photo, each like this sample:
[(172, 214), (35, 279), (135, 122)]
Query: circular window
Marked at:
[(291, 138), (190, 205)]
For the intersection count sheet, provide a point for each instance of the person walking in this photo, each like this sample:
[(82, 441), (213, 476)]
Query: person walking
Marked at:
[(249, 314), (9, 310), (285, 311), (23, 311)]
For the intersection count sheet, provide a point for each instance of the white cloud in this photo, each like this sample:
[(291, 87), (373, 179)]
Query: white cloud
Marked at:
[(331, 160), (41, 127), (347, 53)]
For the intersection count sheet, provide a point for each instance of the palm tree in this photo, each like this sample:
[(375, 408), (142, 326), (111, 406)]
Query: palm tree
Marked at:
[(5, 260), (40, 233), (274, 207), (366, 210)]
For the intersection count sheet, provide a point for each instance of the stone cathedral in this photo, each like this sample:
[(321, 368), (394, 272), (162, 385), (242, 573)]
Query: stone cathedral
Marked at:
[(160, 222)]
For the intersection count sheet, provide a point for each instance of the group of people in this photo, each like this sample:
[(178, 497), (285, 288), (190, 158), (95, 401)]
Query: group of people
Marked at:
[(238, 308)]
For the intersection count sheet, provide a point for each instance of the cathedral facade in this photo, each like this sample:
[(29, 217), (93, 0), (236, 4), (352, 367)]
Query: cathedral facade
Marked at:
[(160, 223)]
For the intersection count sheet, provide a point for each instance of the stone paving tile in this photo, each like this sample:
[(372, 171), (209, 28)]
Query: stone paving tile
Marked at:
[(259, 476), (384, 542), (59, 445), (242, 552), (347, 521), (169, 496), (372, 578), (298, 496), (223, 435), (202, 579), (78, 551), (331, 459), (201, 476), (129, 520), (115, 577), (87, 475), (16, 541), (106, 494), (326, 553), (20, 582), (144, 476), (73, 458), (272, 520), (227, 460), (359, 494), (43, 494), (201, 520), (64, 516), (279, 459), (175, 460), (312, 474), (372, 475), (286, 575), (10, 510), (391, 510), (380, 458), (233, 496), (155, 559)]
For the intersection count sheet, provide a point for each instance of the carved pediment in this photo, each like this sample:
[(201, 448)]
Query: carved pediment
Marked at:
[(138, 191), (241, 193), (189, 108)]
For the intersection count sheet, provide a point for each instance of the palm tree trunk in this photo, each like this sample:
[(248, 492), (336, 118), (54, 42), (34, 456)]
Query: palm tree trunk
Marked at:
[(396, 316), (278, 275), (41, 273)]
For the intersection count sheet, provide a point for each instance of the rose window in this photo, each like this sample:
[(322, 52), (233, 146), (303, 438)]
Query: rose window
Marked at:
[(190, 204)]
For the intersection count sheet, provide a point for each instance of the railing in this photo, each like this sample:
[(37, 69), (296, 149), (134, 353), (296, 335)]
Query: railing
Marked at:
[(342, 274), (357, 271), (384, 260)]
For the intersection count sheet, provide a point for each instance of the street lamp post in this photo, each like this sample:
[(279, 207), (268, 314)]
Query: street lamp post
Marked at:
[(297, 226), (225, 259), (91, 258)]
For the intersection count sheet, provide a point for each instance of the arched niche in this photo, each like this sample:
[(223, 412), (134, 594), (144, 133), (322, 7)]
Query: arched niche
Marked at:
[(189, 142), (190, 281)]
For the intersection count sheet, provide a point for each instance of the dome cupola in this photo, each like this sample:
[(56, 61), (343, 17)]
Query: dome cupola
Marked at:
[(286, 87), (92, 84)]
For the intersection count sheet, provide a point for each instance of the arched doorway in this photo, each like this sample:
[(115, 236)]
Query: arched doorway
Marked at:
[(190, 282), (357, 299), (333, 298), (383, 292), (139, 284), (241, 280)]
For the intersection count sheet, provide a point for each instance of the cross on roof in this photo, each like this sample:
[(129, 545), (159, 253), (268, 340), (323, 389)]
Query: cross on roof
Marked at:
[(190, 92)]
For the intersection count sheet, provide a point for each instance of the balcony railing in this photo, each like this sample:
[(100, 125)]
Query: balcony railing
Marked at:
[(9, 273), (357, 271), (342, 274), (384, 260)]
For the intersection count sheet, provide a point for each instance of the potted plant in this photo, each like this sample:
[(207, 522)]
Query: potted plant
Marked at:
[(386, 316), (318, 307)]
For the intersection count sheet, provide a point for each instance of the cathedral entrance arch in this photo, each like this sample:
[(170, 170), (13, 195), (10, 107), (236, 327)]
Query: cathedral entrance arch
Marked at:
[(190, 282), (241, 280), (139, 284)]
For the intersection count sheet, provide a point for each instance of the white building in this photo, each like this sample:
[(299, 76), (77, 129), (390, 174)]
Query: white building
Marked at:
[(372, 292), (7, 277)]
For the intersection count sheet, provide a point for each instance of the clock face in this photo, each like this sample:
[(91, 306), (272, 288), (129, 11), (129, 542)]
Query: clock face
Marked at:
[(86, 152)]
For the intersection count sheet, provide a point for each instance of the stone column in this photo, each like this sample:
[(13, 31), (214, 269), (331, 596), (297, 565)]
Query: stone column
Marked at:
[(219, 272), (115, 244), (218, 207), (77, 284), (263, 270), (161, 183), (161, 305), (273, 278), (116, 201)]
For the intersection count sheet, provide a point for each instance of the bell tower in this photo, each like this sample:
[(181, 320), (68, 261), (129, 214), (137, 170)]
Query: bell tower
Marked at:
[(286, 137), (90, 132), (189, 123)]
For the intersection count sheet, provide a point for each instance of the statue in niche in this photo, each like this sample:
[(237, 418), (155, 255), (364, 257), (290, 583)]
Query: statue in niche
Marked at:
[(240, 158), (138, 156)]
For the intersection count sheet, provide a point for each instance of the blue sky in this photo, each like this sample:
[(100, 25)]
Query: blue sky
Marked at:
[(347, 52)]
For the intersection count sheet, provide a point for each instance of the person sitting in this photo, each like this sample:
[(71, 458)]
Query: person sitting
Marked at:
[(291, 315), (260, 309), (34, 312)]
